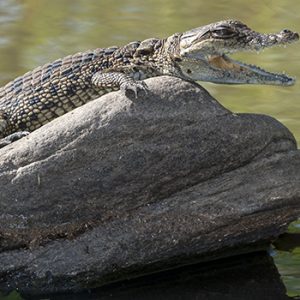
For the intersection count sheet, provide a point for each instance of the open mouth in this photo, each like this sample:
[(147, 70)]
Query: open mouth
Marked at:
[(251, 72), (205, 53)]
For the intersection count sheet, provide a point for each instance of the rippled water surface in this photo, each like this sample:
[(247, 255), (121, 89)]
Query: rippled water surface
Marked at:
[(34, 32)]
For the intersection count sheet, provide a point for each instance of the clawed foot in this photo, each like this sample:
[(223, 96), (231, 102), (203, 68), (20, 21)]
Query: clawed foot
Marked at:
[(133, 89), (12, 138), (114, 79)]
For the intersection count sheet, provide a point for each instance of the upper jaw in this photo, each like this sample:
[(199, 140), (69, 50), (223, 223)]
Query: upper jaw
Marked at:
[(259, 41), (244, 39)]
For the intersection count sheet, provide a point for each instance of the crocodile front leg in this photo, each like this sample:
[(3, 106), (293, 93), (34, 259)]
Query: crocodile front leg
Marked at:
[(119, 81)]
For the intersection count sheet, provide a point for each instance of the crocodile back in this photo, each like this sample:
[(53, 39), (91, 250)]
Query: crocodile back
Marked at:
[(49, 91), (39, 78)]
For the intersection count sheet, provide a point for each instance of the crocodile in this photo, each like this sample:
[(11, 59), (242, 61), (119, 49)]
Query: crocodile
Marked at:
[(200, 54)]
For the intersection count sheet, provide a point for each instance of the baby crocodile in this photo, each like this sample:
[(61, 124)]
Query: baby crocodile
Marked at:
[(47, 92)]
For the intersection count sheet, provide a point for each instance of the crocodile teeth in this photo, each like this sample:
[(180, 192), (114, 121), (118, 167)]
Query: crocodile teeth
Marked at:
[(277, 78)]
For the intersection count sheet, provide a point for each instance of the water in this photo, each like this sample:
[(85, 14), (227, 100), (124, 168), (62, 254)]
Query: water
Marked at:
[(34, 32), (288, 262)]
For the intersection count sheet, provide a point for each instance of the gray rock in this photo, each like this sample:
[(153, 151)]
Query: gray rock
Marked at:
[(118, 189)]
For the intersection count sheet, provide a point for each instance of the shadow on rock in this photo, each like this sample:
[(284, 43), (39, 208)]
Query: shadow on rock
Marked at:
[(244, 277)]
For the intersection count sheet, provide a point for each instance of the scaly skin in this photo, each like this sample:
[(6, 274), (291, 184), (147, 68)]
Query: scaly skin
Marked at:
[(52, 90)]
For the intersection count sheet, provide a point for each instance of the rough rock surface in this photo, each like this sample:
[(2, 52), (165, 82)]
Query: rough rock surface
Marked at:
[(117, 189)]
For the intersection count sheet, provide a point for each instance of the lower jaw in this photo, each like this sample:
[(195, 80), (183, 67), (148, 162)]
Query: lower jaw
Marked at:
[(251, 74)]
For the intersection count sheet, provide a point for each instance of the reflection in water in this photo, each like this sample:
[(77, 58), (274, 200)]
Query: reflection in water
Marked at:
[(288, 263), (252, 276), (288, 242)]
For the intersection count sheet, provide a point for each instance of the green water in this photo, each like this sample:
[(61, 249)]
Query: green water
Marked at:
[(33, 32)]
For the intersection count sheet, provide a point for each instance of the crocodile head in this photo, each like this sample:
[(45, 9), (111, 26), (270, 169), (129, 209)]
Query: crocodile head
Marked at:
[(202, 54)]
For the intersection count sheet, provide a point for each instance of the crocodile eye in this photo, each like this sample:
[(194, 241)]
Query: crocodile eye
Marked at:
[(223, 33)]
